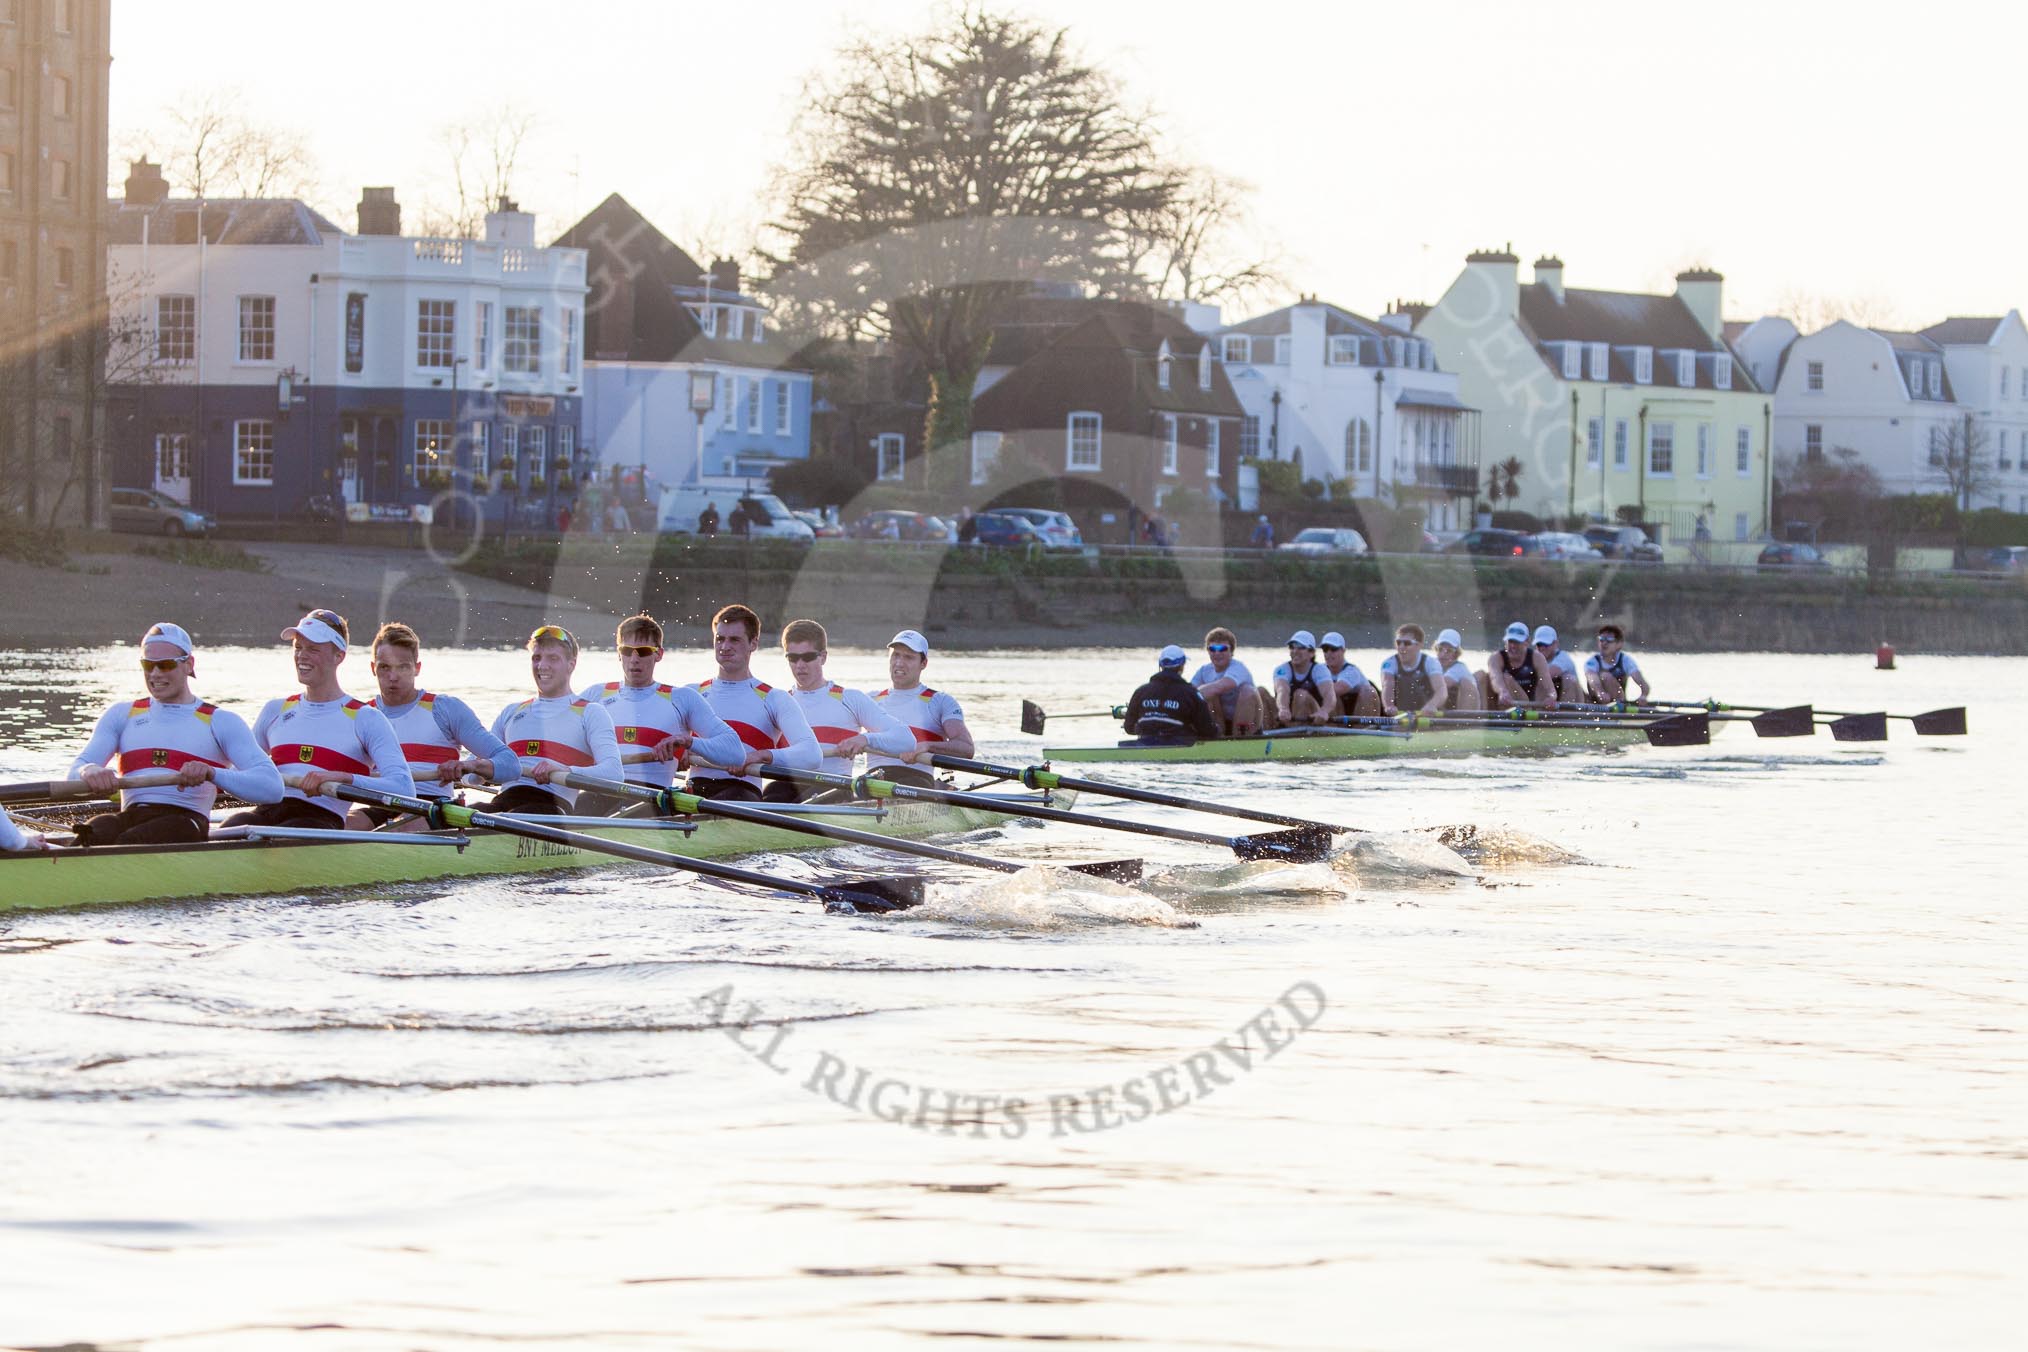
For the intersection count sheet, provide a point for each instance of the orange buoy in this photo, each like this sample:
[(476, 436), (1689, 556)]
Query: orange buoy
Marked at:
[(1883, 657)]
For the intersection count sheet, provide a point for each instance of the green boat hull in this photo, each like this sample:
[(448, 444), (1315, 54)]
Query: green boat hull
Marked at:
[(1441, 741), (111, 875)]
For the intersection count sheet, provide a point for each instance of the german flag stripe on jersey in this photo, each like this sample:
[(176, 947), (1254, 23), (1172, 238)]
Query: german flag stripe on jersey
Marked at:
[(428, 753), (160, 758), (321, 757), (751, 735), (560, 752)]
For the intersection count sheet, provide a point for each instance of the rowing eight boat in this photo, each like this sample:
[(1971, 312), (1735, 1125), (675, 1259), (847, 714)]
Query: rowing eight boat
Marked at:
[(264, 860)]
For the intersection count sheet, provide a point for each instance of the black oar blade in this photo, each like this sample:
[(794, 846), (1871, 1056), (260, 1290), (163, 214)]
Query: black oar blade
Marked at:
[(1941, 723), (1681, 730), (1860, 728), (1032, 718), (1112, 870), (1301, 845), (1797, 721), (897, 893)]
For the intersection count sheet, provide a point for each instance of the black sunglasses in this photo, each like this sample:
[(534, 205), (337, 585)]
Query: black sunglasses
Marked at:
[(804, 657)]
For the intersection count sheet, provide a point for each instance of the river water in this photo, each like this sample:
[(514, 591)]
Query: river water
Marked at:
[(1721, 1047)]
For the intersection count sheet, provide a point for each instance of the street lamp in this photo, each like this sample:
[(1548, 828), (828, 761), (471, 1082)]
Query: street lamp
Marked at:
[(1275, 427), (703, 390)]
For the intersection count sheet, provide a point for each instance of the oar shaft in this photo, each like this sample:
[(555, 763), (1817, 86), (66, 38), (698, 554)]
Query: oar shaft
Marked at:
[(37, 791), (1041, 777), (692, 805)]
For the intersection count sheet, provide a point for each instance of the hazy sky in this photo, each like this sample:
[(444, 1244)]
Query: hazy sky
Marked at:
[(1853, 151)]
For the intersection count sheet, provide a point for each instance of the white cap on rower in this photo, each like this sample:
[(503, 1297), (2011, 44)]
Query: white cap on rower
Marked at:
[(1302, 638), (1334, 639), (1517, 632), (911, 640), (173, 634), (1452, 637), (1172, 656), (316, 628), (1546, 634)]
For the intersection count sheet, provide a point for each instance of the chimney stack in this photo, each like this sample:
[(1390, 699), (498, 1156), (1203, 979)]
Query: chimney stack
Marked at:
[(507, 223), (145, 184), (1702, 291), (379, 213), (1549, 273), (725, 276), (1497, 272)]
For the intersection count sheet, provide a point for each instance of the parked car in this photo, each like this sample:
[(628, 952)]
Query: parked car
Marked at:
[(1056, 529), (1494, 542), (1627, 544), (1325, 540), (1557, 544), (768, 517), (909, 525), (822, 529), (2002, 559), (1792, 554), (145, 510), (1005, 530)]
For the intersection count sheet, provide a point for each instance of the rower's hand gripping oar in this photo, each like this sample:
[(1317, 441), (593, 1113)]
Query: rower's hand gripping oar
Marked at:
[(1042, 777), (1303, 845), (672, 803), (52, 790), (1032, 717), (864, 894)]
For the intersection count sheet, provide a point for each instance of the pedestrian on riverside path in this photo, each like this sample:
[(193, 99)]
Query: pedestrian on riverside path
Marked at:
[(1263, 533)]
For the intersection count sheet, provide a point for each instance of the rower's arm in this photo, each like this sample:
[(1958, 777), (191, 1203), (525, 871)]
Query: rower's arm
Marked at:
[(712, 739), (462, 726), (1440, 693), (802, 750), (1640, 678), (103, 746), (1211, 690), (957, 741), (250, 774), (886, 735), (603, 742), (383, 753)]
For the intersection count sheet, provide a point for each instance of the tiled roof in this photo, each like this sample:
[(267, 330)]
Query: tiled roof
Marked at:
[(1108, 363), (1902, 341), (1962, 331), (232, 220), (1626, 319)]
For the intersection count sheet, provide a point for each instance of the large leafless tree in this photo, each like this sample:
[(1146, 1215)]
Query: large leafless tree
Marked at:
[(209, 145), (482, 156), (945, 173)]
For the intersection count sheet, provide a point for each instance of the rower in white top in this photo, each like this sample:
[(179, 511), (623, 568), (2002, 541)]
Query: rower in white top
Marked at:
[(431, 726), (1227, 687), (933, 717), (767, 720), (1411, 680), (1459, 679), (1611, 669), (553, 733), (169, 728), (846, 722), (1562, 666), (324, 736), (661, 728), (1304, 692), (1516, 674), (1356, 694)]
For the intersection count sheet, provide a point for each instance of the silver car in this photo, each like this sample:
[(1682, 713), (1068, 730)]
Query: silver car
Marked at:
[(153, 513), (1325, 540), (1558, 544), (1057, 530)]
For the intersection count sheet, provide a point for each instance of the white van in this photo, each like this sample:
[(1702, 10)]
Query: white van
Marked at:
[(768, 517)]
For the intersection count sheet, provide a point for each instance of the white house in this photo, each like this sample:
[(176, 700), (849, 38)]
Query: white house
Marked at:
[(1349, 398), (1986, 360)]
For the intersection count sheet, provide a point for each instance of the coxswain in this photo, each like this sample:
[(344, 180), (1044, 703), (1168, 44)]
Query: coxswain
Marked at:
[(1304, 691), (932, 716), (767, 721), (1411, 680), (324, 733), (1562, 666), (1459, 679), (659, 726), (1516, 674), (432, 728), (1168, 708), (845, 721), (1611, 669), (1356, 694), (552, 733), (169, 728), (1227, 686)]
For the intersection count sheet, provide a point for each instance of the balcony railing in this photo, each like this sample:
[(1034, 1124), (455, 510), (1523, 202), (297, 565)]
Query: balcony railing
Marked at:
[(1455, 480)]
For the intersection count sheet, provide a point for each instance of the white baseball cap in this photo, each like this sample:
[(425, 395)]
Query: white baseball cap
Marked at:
[(1172, 656), (1452, 637), (911, 640), (319, 626), (1334, 639), (173, 634), (1302, 638), (1517, 632), (1545, 634)]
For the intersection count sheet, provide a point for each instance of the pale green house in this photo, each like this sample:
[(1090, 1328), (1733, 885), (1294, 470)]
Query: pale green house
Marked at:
[(1617, 405)]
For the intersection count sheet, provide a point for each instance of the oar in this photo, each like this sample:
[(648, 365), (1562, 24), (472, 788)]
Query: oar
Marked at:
[(1032, 717), (1798, 720), (671, 803), (48, 790), (1303, 845), (1690, 729), (861, 894), (1936, 723), (1042, 777)]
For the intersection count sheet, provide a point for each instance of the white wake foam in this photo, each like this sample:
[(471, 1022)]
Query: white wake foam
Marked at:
[(1046, 899)]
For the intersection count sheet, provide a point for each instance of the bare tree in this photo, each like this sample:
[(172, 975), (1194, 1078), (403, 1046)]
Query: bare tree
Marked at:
[(210, 146), (1811, 311), (484, 156), (948, 172), (1193, 247), (1960, 454)]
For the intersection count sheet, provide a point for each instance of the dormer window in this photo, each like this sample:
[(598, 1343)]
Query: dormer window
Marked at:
[(707, 320), (1644, 366), (1344, 349), (1936, 380), (1163, 361), (1204, 367), (1721, 371), (1283, 345), (1599, 360), (1238, 349), (1573, 368), (1686, 369), (1394, 357), (735, 323)]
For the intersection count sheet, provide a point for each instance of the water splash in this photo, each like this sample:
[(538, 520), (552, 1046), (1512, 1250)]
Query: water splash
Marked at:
[(1402, 856), (1047, 899), (1502, 847), (1240, 881)]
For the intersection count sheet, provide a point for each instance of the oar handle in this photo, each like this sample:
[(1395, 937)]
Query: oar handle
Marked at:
[(40, 790)]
